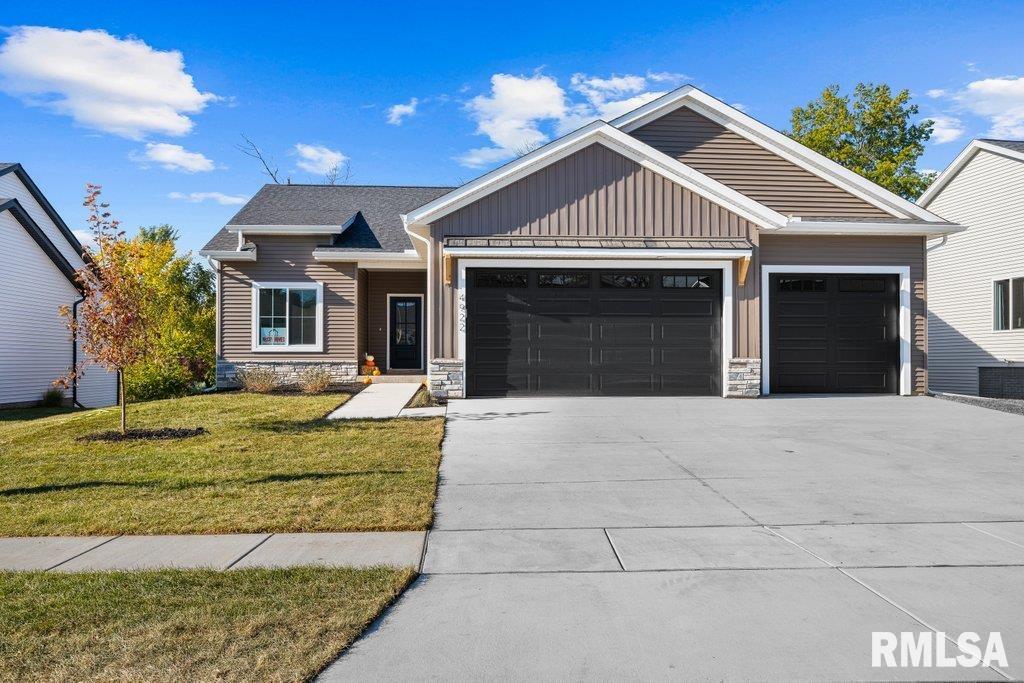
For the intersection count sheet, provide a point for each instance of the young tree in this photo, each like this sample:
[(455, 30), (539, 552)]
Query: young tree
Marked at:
[(111, 325), (870, 133)]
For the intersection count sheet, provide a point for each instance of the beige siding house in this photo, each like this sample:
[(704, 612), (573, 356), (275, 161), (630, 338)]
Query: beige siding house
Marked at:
[(682, 249), (976, 279)]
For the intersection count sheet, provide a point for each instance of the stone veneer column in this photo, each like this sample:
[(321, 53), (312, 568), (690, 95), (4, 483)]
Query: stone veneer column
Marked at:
[(447, 378), (744, 378)]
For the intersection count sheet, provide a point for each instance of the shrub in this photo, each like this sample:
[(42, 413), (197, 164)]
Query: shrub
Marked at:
[(314, 380), (52, 398), (258, 380), (152, 380)]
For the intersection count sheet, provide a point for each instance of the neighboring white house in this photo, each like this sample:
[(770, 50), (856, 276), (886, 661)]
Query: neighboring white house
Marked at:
[(976, 278), (38, 260)]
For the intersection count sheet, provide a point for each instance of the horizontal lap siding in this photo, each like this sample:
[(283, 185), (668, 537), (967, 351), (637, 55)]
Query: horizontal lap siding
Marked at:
[(749, 168), (380, 284), (865, 251), (986, 196), (288, 259), (594, 193)]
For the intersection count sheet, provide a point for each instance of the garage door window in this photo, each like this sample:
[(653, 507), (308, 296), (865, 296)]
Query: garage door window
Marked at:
[(503, 280), (801, 284), (686, 281), (572, 280), (626, 280)]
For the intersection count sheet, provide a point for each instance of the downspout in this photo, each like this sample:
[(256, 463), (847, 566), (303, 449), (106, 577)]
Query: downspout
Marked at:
[(74, 355)]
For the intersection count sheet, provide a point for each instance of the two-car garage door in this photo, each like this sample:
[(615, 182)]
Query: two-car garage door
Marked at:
[(577, 331)]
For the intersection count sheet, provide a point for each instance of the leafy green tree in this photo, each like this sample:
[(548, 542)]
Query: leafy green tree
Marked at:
[(179, 303), (869, 132)]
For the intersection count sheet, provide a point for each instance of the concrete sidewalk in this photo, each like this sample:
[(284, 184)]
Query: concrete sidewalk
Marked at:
[(220, 551), (377, 401)]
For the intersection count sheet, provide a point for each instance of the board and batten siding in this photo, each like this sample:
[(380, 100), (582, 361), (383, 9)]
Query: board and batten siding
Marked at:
[(730, 158), (594, 192), (802, 250), (35, 345), (287, 259), (987, 197)]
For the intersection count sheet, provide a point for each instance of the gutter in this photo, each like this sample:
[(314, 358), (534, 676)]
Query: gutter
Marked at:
[(74, 356)]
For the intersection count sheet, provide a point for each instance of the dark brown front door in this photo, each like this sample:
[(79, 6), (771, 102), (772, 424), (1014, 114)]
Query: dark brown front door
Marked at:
[(579, 331), (405, 338), (834, 333)]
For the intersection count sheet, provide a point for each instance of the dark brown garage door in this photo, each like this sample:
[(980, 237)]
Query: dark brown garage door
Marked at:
[(834, 333), (593, 332)]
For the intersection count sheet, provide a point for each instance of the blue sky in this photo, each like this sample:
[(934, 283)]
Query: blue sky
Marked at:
[(311, 84)]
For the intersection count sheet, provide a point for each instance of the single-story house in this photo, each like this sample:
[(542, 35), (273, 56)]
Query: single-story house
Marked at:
[(976, 279), (38, 264), (683, 248)]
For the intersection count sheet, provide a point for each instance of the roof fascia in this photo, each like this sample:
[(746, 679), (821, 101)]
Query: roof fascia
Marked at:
[(617, 141), (750, 128), (44, 203), (40, 238), (961, 160)]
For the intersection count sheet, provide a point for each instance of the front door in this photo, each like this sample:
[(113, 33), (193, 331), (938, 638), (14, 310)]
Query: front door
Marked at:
[(405, 328)]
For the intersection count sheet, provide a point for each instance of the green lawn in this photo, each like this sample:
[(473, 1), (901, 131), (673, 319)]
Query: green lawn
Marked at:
[(268, 463), (186, 625)]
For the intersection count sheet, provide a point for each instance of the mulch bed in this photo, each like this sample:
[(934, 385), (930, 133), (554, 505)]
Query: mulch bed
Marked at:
[(160, 434)]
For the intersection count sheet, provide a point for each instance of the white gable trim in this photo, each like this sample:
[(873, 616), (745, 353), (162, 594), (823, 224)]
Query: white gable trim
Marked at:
[(615, 140), (771, 139), (969, 152)]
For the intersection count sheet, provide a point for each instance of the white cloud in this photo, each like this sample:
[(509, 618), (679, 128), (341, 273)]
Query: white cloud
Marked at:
[(740, 106), (119, 86), (317, 158), (85, 238), (219, 197), (669, 77), (946, 129), (600, 90), (510, 115), (174, 158), (398, 112), (1000, 100), (936, 93)]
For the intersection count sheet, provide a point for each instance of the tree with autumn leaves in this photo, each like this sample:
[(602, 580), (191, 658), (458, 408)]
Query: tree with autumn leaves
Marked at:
[(146, 312)]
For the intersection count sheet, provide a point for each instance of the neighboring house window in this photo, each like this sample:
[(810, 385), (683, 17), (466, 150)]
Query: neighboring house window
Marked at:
[(287, 316), (1008, 304)]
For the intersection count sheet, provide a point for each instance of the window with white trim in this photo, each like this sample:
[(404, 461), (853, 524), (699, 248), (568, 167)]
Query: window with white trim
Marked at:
[(1008, 304), (287, 316)]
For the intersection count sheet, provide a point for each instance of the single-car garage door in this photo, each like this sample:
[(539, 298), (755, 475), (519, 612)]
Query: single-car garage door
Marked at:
[(593, 332), (834, 333)]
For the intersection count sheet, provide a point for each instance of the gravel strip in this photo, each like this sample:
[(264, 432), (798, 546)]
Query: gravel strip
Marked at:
[(1006, 405)]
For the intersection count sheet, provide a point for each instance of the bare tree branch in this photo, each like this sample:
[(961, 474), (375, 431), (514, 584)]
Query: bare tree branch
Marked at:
[(250, 149), (339, 174)]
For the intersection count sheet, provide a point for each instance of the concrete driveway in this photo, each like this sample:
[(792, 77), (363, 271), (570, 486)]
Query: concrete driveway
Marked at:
[(649, 538)]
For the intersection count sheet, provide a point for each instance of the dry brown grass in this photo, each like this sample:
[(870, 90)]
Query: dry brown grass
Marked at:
[(258, 380), (186, 625), (267, 463), (314, 380)]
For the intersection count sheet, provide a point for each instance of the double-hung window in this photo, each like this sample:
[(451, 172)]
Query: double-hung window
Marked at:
[(287, 316), (1008, 304)]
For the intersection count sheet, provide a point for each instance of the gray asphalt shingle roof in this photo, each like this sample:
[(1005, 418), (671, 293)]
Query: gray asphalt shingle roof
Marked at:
[(373, 210), (1015, 145)]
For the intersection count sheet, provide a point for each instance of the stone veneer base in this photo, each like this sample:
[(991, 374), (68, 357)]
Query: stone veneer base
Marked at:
[(289, 371), (446, 378), (744, 378)]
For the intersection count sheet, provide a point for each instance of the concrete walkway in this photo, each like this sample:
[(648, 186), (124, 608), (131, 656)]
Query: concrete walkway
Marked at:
[(668, 539), (223, 551), (377, 401)]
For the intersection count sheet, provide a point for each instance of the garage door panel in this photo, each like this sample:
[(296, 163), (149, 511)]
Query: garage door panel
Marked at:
[(834, 333), (577, 332), (625, 332)]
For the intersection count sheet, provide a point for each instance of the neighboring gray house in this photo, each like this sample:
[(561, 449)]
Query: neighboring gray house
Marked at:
[(976, 279), (37, 262), (682, 249)]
